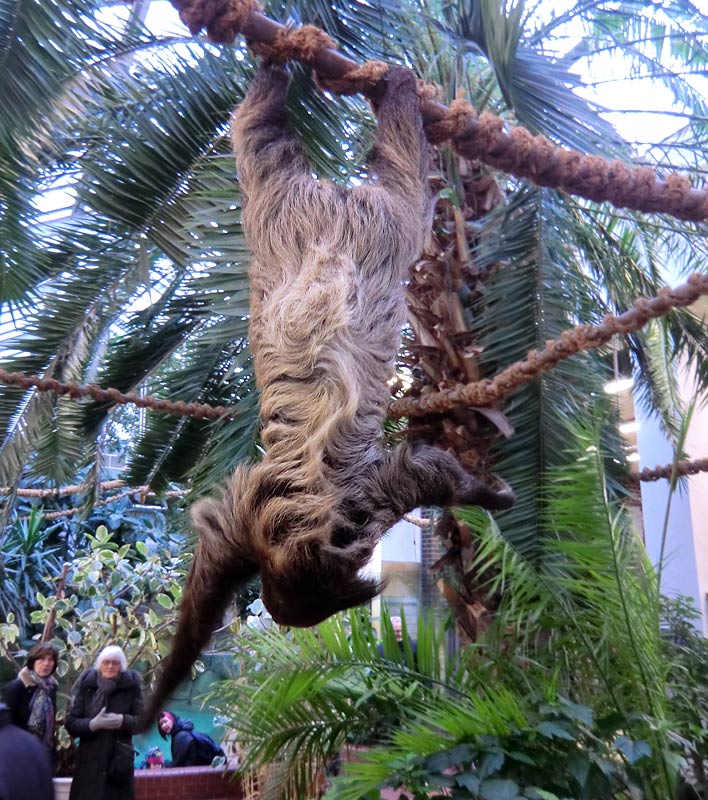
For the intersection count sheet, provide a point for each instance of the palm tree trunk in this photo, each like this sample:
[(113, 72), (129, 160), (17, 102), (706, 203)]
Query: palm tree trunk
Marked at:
[(442, 353)]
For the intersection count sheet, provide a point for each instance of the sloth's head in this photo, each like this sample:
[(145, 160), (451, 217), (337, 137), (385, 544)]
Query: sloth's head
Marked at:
[(308, 593)]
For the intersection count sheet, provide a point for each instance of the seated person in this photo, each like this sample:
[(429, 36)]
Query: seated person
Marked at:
[(189, 747), (154, 759)]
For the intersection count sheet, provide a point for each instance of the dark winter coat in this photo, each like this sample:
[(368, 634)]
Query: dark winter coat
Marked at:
[(18, 696), (25, 773), (92, 778), (185, 752), (182, 739)]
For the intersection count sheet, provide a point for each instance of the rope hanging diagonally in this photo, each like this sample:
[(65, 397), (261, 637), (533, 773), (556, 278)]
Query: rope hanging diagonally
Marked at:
[(479, 393), (648, 474), (574, 340), (483, 137)]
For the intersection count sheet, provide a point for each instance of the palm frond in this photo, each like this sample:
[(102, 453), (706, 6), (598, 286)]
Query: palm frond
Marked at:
[(529, 301), (592, 591), (309, 692)]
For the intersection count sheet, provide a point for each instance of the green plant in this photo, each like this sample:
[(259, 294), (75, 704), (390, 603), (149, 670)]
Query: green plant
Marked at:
[(687, 686), (497, 746), (9, 637), (29, 562), (585, 610), (304, 695), (469, 727), (122, 594)]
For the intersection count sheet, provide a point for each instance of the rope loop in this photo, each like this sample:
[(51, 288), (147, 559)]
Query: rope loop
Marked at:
[(303, 44), (360, 80)]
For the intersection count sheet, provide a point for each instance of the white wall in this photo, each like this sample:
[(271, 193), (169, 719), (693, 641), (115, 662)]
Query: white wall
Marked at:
[(685, 568), (697, 447), (402, 543)]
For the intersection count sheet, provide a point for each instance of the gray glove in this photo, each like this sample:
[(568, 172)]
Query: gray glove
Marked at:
[(105, 721)]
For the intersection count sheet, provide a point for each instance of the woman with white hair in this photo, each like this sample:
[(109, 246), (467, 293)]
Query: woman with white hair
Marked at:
[(104, 713)]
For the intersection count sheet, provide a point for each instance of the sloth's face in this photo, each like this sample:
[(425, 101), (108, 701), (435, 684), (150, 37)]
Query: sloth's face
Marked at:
[(304, 599)]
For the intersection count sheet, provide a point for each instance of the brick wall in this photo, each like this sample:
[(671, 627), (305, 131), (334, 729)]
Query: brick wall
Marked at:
[(432, 548), (186, 783)]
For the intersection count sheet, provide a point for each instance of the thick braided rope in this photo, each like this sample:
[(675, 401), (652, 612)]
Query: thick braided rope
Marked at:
[(69, 512), (78, 488), (61, 491), (484, 137), (142, 491), (77, 391), (480, 393), (574, 340), (302, 43), (668, 471)]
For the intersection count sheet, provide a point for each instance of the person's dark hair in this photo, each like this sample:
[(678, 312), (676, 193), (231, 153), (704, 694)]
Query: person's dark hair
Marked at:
[(159, 719), (40, 650)]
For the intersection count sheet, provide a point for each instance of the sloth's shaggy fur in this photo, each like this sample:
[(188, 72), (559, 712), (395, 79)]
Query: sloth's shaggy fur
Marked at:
[(327, 307)]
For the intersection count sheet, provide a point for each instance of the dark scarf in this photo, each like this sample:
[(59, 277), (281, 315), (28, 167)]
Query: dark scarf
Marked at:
[(106, 687), (41, 718)]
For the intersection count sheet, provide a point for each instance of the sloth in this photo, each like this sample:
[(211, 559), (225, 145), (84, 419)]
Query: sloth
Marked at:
[(327, 308)]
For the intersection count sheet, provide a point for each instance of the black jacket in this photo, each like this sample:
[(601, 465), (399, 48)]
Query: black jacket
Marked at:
[(18, 695), (185, 749), (92, 780), (25, 773), (182, 743)]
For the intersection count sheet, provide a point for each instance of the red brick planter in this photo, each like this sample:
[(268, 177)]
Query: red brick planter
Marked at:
[(187, 783), (181, 783)]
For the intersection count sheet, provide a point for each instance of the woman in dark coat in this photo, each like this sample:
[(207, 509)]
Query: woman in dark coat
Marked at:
[(32, 696), (104, 715)]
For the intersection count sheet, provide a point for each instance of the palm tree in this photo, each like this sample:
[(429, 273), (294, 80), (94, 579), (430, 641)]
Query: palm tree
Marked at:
[(143, 285), (512, 265)]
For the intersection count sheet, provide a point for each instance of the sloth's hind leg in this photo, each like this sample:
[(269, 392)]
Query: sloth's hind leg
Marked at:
[(408, 477)]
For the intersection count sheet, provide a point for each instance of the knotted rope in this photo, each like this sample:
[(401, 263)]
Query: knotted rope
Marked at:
[(484, 137), (77, 391), (574, 340), (61, 491), (141, 491), (669, 471), (479, 393)]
